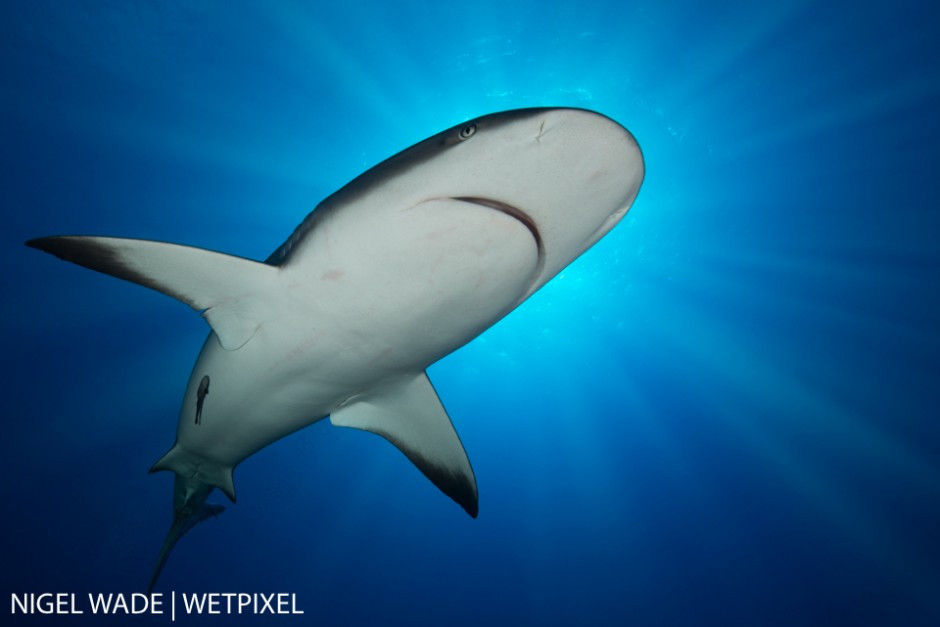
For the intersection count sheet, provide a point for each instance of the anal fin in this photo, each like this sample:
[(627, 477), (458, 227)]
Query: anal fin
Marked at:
[(408, 413)]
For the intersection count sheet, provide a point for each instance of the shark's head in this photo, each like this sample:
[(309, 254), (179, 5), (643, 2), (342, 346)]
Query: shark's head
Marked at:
[(569, 175)]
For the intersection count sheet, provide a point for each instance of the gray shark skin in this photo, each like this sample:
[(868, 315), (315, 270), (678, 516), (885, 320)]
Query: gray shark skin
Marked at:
[(405, 264)]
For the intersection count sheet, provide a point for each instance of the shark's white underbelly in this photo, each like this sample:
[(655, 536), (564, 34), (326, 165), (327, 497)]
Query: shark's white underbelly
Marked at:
[(368, 303)]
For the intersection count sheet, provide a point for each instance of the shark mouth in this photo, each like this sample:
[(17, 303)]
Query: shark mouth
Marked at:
[(514, 212)]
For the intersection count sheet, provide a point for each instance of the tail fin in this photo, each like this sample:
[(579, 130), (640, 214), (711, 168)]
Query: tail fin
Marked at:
[(189, 510)]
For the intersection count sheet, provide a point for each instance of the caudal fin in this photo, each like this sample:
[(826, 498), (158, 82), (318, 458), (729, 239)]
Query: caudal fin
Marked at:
[(189, 509), (182, 523)]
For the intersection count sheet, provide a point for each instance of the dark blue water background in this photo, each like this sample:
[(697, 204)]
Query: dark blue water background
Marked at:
[(724, 413)]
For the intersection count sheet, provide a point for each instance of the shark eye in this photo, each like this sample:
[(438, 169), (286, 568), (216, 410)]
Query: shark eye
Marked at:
[(468, 131)]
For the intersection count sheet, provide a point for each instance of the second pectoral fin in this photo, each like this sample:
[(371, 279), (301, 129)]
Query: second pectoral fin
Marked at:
[(235, 295), (408, 413)]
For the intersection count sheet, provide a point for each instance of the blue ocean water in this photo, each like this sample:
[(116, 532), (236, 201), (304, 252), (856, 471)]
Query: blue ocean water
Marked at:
[(725, 413)]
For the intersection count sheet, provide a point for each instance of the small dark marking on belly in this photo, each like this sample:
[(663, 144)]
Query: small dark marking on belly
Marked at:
[(201, 394)]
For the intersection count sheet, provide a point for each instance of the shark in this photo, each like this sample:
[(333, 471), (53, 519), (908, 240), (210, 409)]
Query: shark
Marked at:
[(402, 266)]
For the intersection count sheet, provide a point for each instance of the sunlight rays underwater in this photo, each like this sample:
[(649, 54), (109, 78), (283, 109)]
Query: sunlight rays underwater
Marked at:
[(756, 343)]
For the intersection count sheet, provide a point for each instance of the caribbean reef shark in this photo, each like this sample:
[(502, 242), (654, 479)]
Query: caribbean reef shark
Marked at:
[(405, 264)]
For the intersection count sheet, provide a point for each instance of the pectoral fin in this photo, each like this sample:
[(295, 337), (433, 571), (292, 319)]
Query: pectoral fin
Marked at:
[(231, 292), (408, 413)]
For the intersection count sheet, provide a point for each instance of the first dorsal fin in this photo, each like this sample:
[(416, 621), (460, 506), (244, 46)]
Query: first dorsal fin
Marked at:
[(231, 292), (408, 413)]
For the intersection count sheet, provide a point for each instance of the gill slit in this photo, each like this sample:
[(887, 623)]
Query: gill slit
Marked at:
[(522, 217)]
